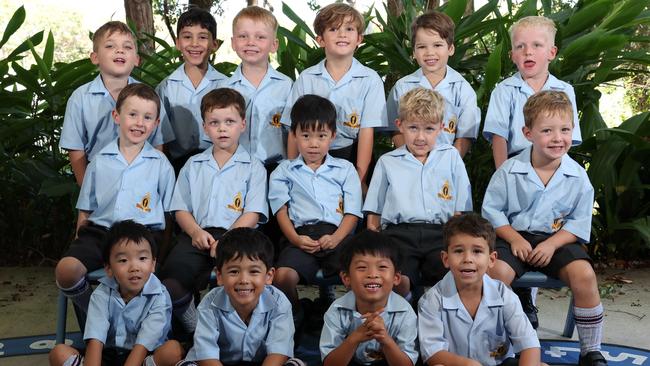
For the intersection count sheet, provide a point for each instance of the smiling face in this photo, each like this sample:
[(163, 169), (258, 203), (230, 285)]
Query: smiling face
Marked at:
[(313, 145), (432, 52), (244, 280), (371, 278), (551, 136), (419, 137), (468, 258), (532, 51), (137, 119), (224, 126), (116, 55), (196, 45), (131, 264), (340, 41), (253, 41)]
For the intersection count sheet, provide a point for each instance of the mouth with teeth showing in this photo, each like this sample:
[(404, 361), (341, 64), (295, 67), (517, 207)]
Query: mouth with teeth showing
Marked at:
[(467, 272), (135, 279), (244, 292), (372, 287), (119, 60), (137, 131)]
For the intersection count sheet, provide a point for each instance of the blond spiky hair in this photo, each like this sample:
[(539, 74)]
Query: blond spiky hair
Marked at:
[(535, 21), (422, 104)]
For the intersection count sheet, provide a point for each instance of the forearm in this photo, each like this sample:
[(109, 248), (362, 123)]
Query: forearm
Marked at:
[(373, 222), (342, 355), (187, 223), (347, 226), (274, 359), (136, 356), (499, 150), (394, 355), (561, 238), (462, 145), (78, 162), (450, 359), (364, 152), (530, 357), (82, 217), (93, 356), (286, 226), (292, 148), (209, 363), (248, 219), (508, 233)]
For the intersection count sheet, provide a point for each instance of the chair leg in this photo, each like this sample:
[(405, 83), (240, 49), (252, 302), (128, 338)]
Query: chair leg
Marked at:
[(570, 321), (61, 317)]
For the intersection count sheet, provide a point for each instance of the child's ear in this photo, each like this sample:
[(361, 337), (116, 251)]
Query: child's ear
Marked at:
[(345, 278), (269, 275), (320, 41), (452, 49), (116, 116), (397, 279), (244, 123), (219, 277), (445, 258), (527, 133), (107, 269), (94, 58), (398, 123), (275, 46), (492, 259)]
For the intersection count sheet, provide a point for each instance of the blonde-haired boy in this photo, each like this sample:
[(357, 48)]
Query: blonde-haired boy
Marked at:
[(533, 49), (356, 91), (438, 188)]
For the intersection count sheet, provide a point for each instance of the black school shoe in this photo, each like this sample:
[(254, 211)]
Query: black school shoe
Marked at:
[(526, 300), (593, 358)]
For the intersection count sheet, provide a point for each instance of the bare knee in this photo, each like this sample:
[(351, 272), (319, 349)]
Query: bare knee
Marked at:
[(168, 354), (404, 286), (60, 353), (69, 271), (502, 271), (286, 277), (581, 278)]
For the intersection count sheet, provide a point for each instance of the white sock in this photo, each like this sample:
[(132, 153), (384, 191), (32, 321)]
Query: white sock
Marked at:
[(188, 318), (148, 361), (74, 360), (589, 322)]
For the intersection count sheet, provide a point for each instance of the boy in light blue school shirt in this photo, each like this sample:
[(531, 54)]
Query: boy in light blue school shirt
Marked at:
[(370, 324), (467, 317), (356, 90), (88, 125), (129, 315), (433, 43), (265, 89), (246, 319), (181, 92), (533, 49)]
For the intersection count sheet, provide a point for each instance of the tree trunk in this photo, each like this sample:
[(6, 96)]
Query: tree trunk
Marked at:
[(140, 13), (469, 10), (251, 2), (433, 4), (203, 4)]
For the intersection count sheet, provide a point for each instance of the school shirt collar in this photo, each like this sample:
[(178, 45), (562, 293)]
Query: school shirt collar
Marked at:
[(552, 83), (451, 299), (329, 162), (241, 155), (451, 76), (97, 85), (147, 151), (264, 304), (211, 75), (271, 73), (356, 70), (151, 287), (403, 152), (393, 305), (523, 165)]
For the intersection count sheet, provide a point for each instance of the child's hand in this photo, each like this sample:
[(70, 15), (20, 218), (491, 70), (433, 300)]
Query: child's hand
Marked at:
[(541, 255), (328, 242), (521, 249), (378, 329), (213, 249), (308, 244), (202, 239)]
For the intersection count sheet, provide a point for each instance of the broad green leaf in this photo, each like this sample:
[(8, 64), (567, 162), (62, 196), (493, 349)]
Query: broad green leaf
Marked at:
[(492, 72), (587, 17), (641, 225), (48, 52), (286, 10), (455, 9), (57, 187), (43, 69), (26, 78), (35, 40), (293, 38), (623, 13), (17, 19), (527, 8)]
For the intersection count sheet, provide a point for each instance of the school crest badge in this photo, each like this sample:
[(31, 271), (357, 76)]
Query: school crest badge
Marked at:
[(275, 120), (557, 224), (499, 351), (236, 204), (339, 209), (353, 121), (445, 192), (451, 124), (143, 205)]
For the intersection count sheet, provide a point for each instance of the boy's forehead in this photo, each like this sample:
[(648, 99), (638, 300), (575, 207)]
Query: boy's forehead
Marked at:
[(137, 102), (419, 121), (531, 30), (114, 35), (427, 32), (364, 257), (243, 260), (467, 239), (223, 111), (130, 245), (195, 27), (259, 24), (554, 117)]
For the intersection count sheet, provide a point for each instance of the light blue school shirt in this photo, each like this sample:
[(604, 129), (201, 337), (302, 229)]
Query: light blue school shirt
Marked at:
[(342, 318), (445, 325), (505, 114), (358, 98), (146, 319), (217, 197), (222, 335), (88, 124), (462, 116), (324, 195), (403, 190), (114, 191), (264, 106), (183, 105), (516, 196)]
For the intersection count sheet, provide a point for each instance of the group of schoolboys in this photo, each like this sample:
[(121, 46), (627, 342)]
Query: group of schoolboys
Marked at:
[(224, 138)]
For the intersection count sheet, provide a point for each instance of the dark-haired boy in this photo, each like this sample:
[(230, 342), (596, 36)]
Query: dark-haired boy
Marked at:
[(127, 179), (468, 318), (181, 92), (223, 187), (316, 199), (130, 311), (369, 325), (245, 321)]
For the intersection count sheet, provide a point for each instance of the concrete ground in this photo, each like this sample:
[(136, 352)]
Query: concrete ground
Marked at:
[(28, 307)]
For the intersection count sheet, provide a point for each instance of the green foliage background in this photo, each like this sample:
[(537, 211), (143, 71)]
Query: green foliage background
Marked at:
[(599, 41)]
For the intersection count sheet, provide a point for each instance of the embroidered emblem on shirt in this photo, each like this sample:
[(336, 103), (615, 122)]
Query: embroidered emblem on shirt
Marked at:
[(236, 203), (451, 125), (444, 192), (354, 121), (143, 205), (374, 354), (275, 120), (557, 224), (339, 209), (500, 351)]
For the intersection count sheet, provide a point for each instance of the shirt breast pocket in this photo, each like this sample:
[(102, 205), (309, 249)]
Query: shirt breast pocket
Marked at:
[(143, 200), (450, 125), (267, 115), (498, 345), (235, 197), (348, 116), (560, 211)]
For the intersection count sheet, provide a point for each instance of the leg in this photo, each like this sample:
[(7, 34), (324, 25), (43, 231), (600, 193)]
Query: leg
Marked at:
[(168, 354), (61, 353), (287, 279), (502, 272)]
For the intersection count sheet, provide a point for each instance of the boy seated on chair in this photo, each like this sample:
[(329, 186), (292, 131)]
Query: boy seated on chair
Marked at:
[(468, 301), (540, 203), (127, 179), (130, 311), (245, 321), (369, 325), (315, 197)]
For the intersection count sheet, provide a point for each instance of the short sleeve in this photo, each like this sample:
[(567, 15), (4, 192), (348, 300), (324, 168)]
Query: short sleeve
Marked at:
[(255, 200), (495, 200), (166, 183), (469, 119), (521, 332), (374, 106), (392, 106), (578, 222), (73, 132), (182, 195), (463, 186), (156, 323), (333, 333), (297, 90), (206, 335), (376, 195), (352, 192), (87, 200), (279, 187), (407, 336), (430, 325), (98, 321), (279, 338), (497, 119)]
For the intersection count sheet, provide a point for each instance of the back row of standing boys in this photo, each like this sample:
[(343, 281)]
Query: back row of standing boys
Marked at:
[(225, 136)]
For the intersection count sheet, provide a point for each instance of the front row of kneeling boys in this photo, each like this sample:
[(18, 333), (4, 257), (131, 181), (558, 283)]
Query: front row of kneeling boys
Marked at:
[(465, 318)]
